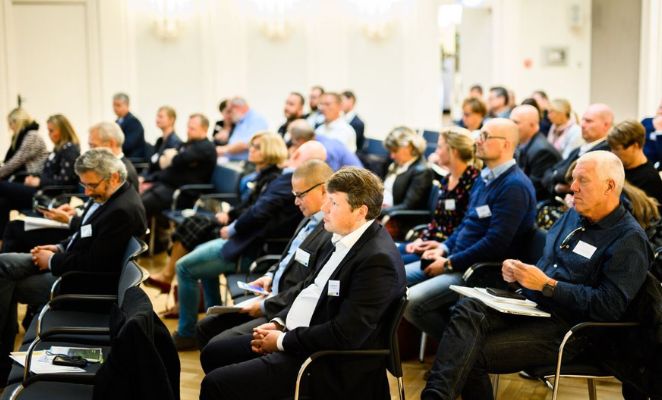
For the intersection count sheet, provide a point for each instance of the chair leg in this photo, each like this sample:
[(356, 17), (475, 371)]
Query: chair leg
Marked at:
[(421, 349), (401, 388), (152, 236), (592, 391)]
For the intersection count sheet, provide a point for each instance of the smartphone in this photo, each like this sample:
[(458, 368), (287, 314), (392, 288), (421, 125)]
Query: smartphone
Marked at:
[(505, 293), (250, 288), (70, 361), (42, 208)]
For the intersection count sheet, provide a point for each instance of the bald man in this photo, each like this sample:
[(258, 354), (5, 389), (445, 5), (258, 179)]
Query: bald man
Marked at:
[(595, 260), (499, 218), (534, 154), (596, 124), (311, 150)]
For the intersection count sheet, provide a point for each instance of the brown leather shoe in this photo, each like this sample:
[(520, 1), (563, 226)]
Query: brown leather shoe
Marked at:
[(184, 343)]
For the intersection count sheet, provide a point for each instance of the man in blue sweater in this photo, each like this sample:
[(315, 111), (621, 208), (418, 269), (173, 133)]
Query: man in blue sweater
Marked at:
[(501, 213), (595, 260)]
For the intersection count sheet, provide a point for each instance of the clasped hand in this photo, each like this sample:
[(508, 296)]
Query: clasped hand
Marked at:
[(265, 338)]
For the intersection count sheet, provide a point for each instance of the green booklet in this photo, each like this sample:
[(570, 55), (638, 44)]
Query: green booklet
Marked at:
[(91, 354)]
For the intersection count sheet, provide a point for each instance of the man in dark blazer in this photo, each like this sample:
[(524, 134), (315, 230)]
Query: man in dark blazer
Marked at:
[(295, 264), (347, 103), (134, 145), (100, 237), (359, 274), (535, 154)]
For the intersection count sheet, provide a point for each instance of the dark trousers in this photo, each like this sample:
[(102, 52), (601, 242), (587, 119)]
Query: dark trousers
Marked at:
[(480, 340), (14, 196), (234, 378), (217, 327), (17, 240)]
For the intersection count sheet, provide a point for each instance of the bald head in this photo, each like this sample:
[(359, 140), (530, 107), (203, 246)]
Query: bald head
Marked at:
[(596, 122), (527, 119), (311, 150), (497, 143)]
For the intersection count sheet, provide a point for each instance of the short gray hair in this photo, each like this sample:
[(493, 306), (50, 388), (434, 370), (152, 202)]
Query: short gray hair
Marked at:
[(607, 166), (109, 131), (123, 97), (403, 136), (100, 161)]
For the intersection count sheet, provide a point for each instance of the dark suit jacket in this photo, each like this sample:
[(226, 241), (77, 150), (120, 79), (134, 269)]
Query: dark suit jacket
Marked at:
[(112, 225), (172, 142), (556, 174), (134, 137), (359, 128), (534, 159), (412, 188), (296, 272), (371, 278), (273, 215), (131, 174)]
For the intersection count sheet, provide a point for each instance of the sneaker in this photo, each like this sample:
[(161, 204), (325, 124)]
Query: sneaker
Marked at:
[(184, 343)]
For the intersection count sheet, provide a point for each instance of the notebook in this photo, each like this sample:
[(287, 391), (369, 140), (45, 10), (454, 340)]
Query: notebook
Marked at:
[(507, 306)]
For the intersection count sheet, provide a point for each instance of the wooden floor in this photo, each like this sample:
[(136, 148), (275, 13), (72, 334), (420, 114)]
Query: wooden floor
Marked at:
[(511, 387)]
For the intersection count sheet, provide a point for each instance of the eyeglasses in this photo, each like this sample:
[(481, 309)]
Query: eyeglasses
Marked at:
[(484, 136), (305, 192), (91, 186), (565, 244)]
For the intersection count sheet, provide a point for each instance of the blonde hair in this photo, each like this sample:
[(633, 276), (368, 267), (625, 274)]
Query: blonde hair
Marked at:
[(460, 139), (67, 132), (272, 146), (563, 106), (20, 119), (403, 136), (644, 208), (170, 112)]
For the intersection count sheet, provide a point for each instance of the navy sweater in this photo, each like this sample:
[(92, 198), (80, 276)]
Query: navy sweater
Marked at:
[(512, 203)]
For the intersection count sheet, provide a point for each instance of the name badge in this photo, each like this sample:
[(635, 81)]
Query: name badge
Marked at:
[(483, 211), (584, 249), (302, 257), (86, 231), (449, 204), (155, 158), (51, 156), (333, 288)]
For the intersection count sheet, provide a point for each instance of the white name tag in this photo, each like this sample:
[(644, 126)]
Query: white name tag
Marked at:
[(302, 257), (584, 249), (155, 158), (333, 288), (483, 211), (86, 231), (449, 204)]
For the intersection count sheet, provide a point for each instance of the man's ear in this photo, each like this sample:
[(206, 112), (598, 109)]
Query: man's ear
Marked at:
[(611, 185)]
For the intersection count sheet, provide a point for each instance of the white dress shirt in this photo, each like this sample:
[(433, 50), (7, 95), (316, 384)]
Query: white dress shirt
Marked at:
[(389, 181), (339, 129)]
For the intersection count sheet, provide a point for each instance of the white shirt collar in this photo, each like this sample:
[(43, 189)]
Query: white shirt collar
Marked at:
[(351, 238)]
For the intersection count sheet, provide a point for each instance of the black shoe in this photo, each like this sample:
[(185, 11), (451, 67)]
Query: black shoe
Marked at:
[(526, 375), (184, 343)]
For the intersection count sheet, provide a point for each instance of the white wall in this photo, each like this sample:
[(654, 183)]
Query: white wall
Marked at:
[(221, 52), (650, 67)]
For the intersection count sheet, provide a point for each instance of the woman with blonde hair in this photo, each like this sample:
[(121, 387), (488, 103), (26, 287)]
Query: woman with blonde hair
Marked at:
[(456, 152), (27, 151), (564, 134)]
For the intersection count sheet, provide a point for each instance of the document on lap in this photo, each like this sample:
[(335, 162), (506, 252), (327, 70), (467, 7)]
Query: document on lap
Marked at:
[(504, 305), (213, 310)]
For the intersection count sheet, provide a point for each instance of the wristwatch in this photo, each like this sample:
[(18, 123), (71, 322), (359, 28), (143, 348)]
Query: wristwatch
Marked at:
[(448, 267), (548, 288)]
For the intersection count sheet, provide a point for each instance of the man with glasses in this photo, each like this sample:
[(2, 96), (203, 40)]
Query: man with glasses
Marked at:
[(294, 266), (100, 236), (495, 226), (595, 260)]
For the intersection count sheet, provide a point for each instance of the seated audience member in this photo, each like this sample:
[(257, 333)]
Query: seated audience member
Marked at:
[(27, 150), (653, 126), (497, 102), (192, 162), (476, 91), (337, 154), (58, 170), (473, 114), (267, 152), (341, 306), (564, 134), (17, 240), (542, 100), (113, 214), (626, 140), (273, 215), (572, 284), (408, 179), (223, 128), (134, 134), (347, 104), (165, 120), (334, 125), (292, 111), (246, 123), (315, 117), (295, 264), (497, 224), (534, 153), (596, 123), (455, 151)]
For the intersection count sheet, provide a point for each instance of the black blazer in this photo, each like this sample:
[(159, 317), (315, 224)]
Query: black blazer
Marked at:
[(534, 159), (359, 128), (193, 164), (412, 188), (371, 278), (296, 272), (556, 174), (172, 142), (134, 136), (131, 173), (112, 225)]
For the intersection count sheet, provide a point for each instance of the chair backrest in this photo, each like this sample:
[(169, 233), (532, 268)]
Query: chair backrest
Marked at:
[(132, 275), (435, 192), (225, 180), (431, 136), (375, 147), (395, 311)]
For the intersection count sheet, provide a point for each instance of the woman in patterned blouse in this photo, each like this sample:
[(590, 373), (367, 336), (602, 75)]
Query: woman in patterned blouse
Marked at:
[(58, 170), (455, 152)]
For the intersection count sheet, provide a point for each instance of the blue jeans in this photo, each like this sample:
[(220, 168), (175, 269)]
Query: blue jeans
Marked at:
[(430, 299), (204, 263), (406, 257)]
